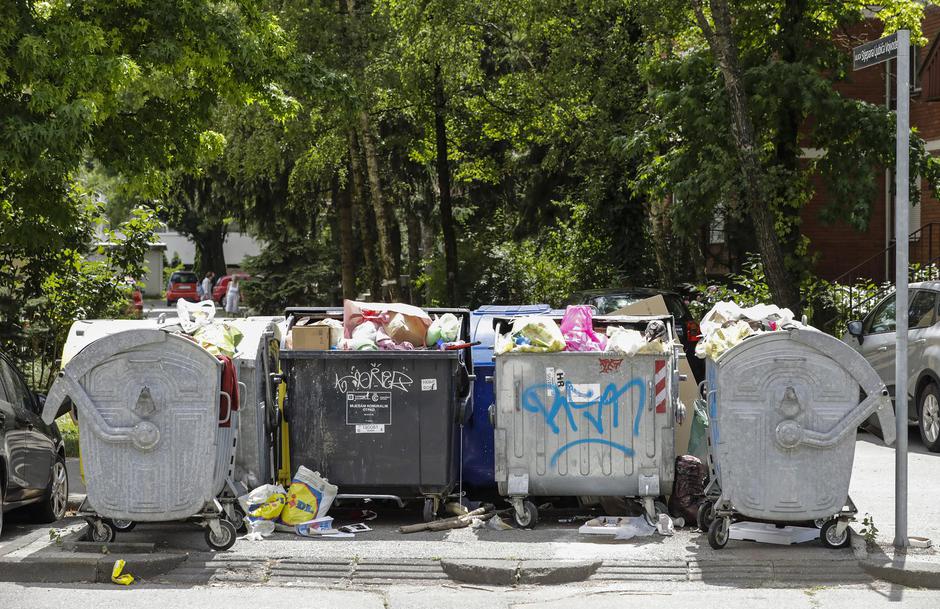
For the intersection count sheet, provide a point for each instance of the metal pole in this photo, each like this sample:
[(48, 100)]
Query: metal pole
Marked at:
[(901, 244)]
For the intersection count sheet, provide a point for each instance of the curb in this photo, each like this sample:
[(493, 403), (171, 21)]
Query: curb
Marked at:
[(900, 570), (62, 567), (512, 572), (71, 562)]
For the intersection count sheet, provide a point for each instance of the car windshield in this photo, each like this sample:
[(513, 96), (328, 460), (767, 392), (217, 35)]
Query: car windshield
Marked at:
[(183, 278), (607, 304)]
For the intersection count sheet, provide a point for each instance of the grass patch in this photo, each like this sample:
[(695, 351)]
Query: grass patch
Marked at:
[(69, 431)]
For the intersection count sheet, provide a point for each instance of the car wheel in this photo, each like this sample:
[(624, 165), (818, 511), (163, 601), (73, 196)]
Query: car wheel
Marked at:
[(929, 417), (56, 499)]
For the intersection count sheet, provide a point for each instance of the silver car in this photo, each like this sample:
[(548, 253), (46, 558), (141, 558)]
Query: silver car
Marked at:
[(874, 338)]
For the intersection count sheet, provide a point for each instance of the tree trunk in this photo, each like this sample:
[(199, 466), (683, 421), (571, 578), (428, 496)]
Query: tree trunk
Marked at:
[(210, 254), (413, 226), (208, 240), (782, 287), (428, 234), (342, 201), (366, 226), (382, 223), (443, 184), (659, 218)]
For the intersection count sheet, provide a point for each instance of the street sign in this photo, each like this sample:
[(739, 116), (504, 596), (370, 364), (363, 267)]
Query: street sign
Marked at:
[(875, 52), (864, 56)]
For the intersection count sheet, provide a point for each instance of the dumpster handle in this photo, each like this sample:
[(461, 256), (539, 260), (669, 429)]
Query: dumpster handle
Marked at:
[(855, 418), (228, 409)]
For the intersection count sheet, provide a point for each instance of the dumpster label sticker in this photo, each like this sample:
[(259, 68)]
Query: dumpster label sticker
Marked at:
[(549, 381), (369, 408), (373, 428), (373, 378), (580, 403), (428, 384), (583, 393)]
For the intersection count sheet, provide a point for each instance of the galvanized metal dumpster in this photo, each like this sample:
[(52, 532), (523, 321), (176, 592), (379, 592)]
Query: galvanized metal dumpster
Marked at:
[(784, 408), (379, 424), (586, 423), (256, 429), (149, 406), (477, 455)]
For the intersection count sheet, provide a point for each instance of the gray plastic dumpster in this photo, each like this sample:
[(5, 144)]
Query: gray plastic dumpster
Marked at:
[(586, 423), (784, 408), (379, 424), (149, 406)]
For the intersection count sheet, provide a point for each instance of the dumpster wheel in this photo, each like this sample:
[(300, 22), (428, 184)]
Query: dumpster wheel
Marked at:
[(429, 511), (830, 536), (223, 538), (529, 516), (706, 514), (124, 526), (718, 533), (100, 531)]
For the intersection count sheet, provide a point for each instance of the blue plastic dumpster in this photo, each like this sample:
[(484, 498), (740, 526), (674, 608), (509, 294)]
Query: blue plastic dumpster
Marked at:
[(477, 445)]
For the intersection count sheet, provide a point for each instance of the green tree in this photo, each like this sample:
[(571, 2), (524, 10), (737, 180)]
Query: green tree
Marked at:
[(734, 92)]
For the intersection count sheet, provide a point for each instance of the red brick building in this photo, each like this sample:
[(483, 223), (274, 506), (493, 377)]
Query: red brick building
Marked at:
[(844, 252)]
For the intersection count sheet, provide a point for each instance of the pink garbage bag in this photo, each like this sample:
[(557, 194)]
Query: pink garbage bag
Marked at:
[(577, 326)]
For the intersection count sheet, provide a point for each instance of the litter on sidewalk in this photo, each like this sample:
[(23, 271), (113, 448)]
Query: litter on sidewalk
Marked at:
[(621, 527)]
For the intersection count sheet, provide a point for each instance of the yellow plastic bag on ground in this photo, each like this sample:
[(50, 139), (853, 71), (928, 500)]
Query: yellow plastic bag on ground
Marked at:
[(117, 575), (310, 496), (263, 506)]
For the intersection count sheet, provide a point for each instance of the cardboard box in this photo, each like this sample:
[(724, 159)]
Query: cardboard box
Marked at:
[(310, 338)]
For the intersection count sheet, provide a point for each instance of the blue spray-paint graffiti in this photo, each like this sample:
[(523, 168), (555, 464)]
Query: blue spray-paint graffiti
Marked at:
[(571, 400)]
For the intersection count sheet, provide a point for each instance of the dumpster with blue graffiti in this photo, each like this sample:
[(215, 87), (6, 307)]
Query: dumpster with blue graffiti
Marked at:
[(587, 423)]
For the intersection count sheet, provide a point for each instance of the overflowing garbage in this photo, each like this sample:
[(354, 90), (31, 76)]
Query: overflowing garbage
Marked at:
[(371, 326), (577, 333), (728, 324)]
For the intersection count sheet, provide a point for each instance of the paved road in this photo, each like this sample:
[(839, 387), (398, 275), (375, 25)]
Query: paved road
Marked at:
[(656, 596), (872, 487)]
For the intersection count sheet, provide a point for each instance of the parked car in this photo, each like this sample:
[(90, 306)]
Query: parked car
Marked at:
[(220, 289), (32, 454), (608, 300), (182, 284), (874, 338)]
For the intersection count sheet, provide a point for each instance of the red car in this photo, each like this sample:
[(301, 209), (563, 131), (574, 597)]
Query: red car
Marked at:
[(137, 301), (218, 292), (182, 284)]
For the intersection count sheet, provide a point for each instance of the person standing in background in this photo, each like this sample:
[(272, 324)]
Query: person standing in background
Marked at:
[(231, 296), (207, 286)]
